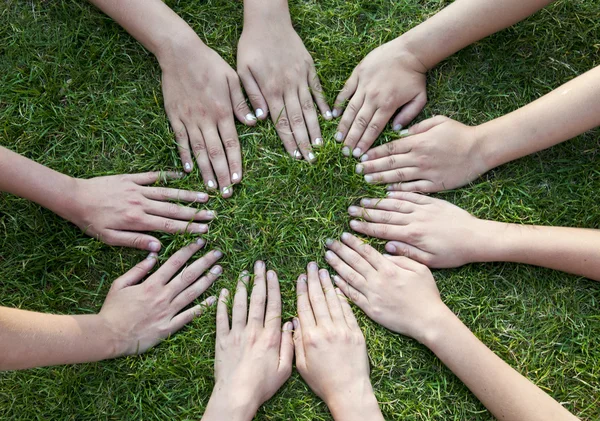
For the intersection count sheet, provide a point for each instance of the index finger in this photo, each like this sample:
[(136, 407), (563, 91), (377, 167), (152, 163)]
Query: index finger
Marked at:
[(164, 274), (258, 298), (317, 298), (365, 250), (395, 147), (305, 313), (273, 313)]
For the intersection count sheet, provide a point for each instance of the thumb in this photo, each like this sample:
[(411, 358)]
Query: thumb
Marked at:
[(286, 351), (134, 240), (409, 111), (428, 124), (135, 274), (299, 345)]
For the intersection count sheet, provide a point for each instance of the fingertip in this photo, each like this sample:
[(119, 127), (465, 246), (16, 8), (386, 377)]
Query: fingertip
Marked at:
[(210, 301), (336, 113), (296, 323), (187, 167), (390, 247), (288, 327), (154, 246), (328, 115), (202, 197)]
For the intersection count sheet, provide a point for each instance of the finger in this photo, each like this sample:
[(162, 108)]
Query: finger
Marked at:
[(222, 315), (382, 231), (131, 239), (420, 186), (351, 293), (395, 147), (394, 176), (409, 111), (218, 160), (416, 198), (305, 312), (240, 107), (201, 155), (400, 248), (282, 126), (335, 310), (286, 350), (299, 345), (379, 216), (190, 294), (166, 272), (347, 91), (317, 92), (352, 277), (357, 129), (366, 251), (352, 110), (257, 99), (371, 133), (347, 311), (240, 303), (273, 312), (351, 257), (135, 274), (392, 205), (164, 194), (171, 226), (386, 163), (191, 273), (258, 298), (317, 298), (183, 143), (152, 177), (426, 125), (190, 314), (175, 211), (232, 149), (310, 116), (298, 125)]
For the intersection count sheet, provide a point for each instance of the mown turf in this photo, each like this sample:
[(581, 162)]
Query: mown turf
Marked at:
[(78, 94)]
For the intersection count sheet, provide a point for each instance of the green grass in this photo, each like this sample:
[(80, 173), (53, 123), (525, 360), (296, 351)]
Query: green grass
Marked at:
[(78, 94)]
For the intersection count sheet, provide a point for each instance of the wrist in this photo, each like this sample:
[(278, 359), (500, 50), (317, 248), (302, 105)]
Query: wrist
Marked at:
[(229, 403), (177, 47), (110, 344), (354, 403), (259, 12), (489, 145), (438, 328), (410, 55), (68, 206)]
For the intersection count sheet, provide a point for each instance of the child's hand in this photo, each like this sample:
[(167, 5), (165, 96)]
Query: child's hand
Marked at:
[(111, 208), (279, 77), (440, 154), (400, 294), (331, 354), (253, 357), (388, 78), (140, 315)]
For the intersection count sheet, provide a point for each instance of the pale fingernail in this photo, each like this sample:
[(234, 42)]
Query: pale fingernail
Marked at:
[(303, 278), (200, 241), (346, 151), (339, 136), (335, 113), (250, 117), (202, 196), (270, 275), (353, 210), (369, 178), (390, 247), (226, 190), (398, 127), (318, 141), (211, 301), (296, 323), (337, 280), (356, 153), (224, 293), (329, 255), (259, 264), (328, 242), (389, 193), (311, 156), (151, 256), (218, 254), (354, 224), (216, 270), (389, 187), (323, 274), (364, 158), (328, 114), (210, 214), (154, 246), (201, 228), (259, 112), (365, 202), (297, 154), (211, 184), (359, 169), (287, 327), (187, 166), (404, 132), (345, 236), (312, 265), (235, 176)]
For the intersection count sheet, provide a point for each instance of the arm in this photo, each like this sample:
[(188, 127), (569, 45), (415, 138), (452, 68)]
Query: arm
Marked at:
[(279, 76), (201, 91), (401, 295), (133, 317), (107, 208), (393, 75)]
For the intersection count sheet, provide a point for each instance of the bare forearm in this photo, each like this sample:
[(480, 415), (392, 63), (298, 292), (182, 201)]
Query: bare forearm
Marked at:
[(504, 392), (356, 407), (572, 250), (462, 23), (257, 12), (29, 339)]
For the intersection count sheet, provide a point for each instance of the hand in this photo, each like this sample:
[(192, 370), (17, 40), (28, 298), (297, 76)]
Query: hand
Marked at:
[(331, 353), (430, 231), (398, 293), (388, 78), (279, 76), (202, 93), (141, 315), (440, 154), (253, 358), (110, 208)]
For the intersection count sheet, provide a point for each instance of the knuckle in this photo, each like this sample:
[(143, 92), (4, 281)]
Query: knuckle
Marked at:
[(169, 225), (172, 210), (241, 107), (198, 147), (399, 175), (230, 143), (361, 122), (297, 120), (390, 147), (282, 123), (391, 161), (214, 152), (308, 105)]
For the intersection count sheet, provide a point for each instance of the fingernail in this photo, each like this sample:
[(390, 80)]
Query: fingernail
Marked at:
[(218, 254), (235, 176), (356, 153), (364, 158), (211, 184), (311, 156), (312, 265), (390, 247), (359, 169), (335, 113), (346, 151), (151, 256), (226, 190), (398, 127), (318, 141), (323, 274), (200, 241), (250, 117), (297, 154), (354, 224), (353, 210), (369, 178), (259, 112), (270, 275), (328, 114), (295, 323), (202, 197), (216, 270), (339, 136), (338, 291), (154, 246), (303, 278), (336, 280), (211, 301), (365, 202), (329, 255), (259, 264), (187, 166), (287, 327), (328, 242), (345, 236), (389, 193), (224, 293), (201, 228), (210, 214)]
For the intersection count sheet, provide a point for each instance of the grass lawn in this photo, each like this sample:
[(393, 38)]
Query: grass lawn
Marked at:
[(78, 94)]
